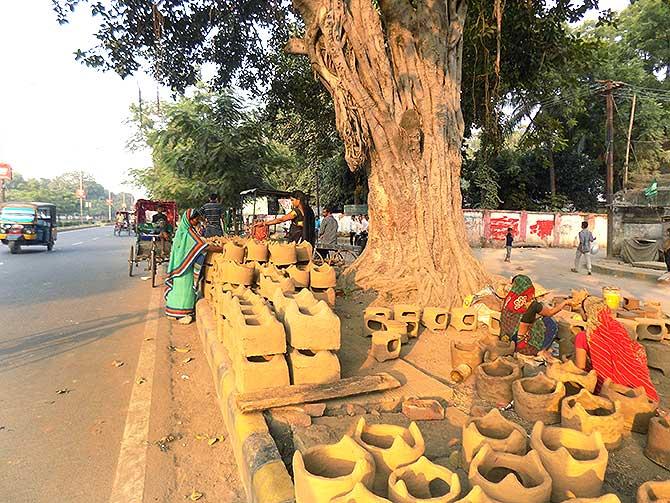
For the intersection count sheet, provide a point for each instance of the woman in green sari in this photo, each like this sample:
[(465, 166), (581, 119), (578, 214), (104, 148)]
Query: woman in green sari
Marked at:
[(186, 258)]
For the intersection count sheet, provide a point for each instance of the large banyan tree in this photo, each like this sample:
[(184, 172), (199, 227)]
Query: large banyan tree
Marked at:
[(393, 69)]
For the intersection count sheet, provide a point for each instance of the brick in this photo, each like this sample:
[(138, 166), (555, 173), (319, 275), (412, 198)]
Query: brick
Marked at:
[(418, 409), (385, 346), (435, 318), (353, 409), (313, 367), (658, 355), (322, 276), (257, 335), (291, 417), (314, 409), (464, 318), (631, 303), (314, 327), (260, 372)]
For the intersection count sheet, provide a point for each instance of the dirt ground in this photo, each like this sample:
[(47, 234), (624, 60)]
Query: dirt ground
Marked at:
[(190, 442), (429, 353)]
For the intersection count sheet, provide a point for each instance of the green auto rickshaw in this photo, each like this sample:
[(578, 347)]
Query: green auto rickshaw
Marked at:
[(28, 224)]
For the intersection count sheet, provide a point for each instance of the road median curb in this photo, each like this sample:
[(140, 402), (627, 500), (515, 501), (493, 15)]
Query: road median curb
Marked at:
[(261, 469), (622, 271)]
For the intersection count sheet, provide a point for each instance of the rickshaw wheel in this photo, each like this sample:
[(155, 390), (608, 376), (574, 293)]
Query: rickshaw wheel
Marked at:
[(131, 261), (50, 246), (154, 266), (14, 248)]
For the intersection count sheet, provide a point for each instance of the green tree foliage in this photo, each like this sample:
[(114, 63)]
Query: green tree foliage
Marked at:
[(61, 191), (206, 143)]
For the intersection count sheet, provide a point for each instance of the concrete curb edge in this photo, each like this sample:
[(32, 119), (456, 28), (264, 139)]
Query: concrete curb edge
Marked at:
[(261, 469)]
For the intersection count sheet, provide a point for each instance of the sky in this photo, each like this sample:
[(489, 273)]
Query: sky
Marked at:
[(57, 115)]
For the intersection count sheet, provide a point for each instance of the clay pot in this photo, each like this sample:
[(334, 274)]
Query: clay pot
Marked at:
[(494, 381), (605, 498), (510, 478), (494, 430), (234, 251), (359, 494), (476, 495), (257, 250), (658, 442), (423, 481), (575, 461), (636, 408), (322, 276), (268, 286), (282, 253), (325, 471), (303, 252), (654, 491), (237, 274), (391, 447), (573, 377), (469, 353), (538, 398), (299, 274), (304, 298), (495, 348), (589, 413)]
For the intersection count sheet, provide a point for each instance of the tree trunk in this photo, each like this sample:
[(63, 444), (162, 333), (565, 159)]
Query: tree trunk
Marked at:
[(395, 78), (552, 173)]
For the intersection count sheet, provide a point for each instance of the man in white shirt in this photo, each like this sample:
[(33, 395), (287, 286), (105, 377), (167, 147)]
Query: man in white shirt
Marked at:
[(364, 223)]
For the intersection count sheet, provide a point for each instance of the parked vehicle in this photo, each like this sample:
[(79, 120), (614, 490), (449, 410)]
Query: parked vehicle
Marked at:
[(148, 246), (28, 224), (123, 224)]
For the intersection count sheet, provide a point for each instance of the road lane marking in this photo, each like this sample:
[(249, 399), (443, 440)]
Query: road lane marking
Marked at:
[(78, 243), (131, 467), (95, 239)]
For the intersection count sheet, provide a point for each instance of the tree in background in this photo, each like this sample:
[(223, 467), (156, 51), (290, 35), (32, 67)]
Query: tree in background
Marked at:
[(202, 144), (393, 70)]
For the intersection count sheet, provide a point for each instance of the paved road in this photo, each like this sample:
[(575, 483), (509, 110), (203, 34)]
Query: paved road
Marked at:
[(64, 317)]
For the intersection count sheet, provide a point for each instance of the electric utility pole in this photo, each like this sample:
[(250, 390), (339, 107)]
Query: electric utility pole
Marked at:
[(609, 152), (630, 130)]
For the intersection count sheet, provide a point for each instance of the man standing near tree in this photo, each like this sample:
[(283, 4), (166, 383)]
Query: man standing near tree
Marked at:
[(584, 248), (213, 212), (509, 239), (328, 229)]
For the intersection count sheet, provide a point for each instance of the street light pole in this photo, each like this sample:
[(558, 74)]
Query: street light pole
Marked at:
[(81, 197)]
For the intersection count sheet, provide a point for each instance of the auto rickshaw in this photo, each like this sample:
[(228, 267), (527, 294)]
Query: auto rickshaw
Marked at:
[(28, 224)]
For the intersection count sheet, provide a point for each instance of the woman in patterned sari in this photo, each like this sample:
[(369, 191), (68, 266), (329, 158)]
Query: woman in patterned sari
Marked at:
[(519, 320), (186, 258), (606, 347)]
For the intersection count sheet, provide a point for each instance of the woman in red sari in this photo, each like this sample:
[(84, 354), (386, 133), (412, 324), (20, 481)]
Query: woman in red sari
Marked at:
[(606, 347)]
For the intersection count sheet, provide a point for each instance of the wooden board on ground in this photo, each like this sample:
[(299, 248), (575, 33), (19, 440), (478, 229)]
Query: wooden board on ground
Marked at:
[(305, 393), (658, 266)]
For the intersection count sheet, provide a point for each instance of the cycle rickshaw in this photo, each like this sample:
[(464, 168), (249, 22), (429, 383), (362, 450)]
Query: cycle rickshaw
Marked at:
[(148, 245)]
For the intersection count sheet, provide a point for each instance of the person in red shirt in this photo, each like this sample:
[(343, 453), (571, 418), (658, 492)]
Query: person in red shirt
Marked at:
[(606, 347)]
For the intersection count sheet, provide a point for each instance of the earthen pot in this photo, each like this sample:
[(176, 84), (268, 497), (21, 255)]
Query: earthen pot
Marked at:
[(495, 430), (322, 276), (325, 471), (589, 413), (234, 251), (636, 407), (476, 495), (257, 250), (303, 252), (575, 461), (573, 377), (391, 447), (510, 478), (658, 442), (360, 494), (495, 348), (654, 491), (538, 398), (494, 381), (423, 481), (466, 352), (282, 253), (299, 274), (605, 498)]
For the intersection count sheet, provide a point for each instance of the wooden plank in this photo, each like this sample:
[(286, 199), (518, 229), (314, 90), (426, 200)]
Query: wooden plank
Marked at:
[(304, 393)]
